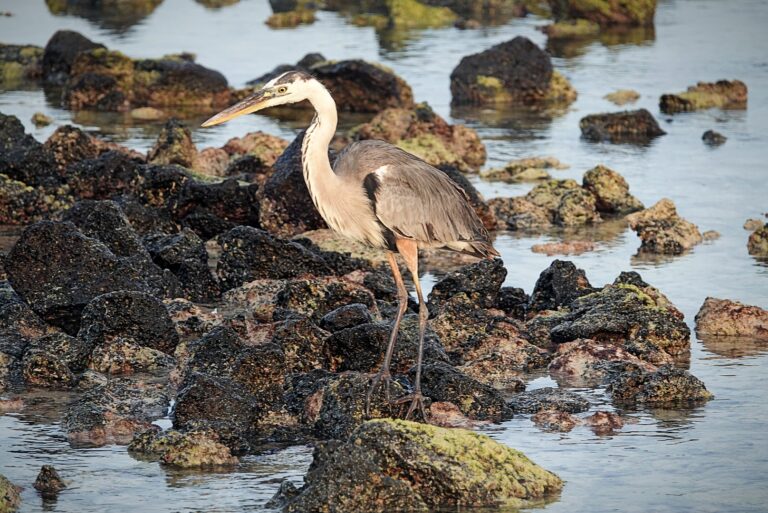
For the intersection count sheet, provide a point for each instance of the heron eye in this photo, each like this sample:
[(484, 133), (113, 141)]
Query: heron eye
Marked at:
[(282, 90)]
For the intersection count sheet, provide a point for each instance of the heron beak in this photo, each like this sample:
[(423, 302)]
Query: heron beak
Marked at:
[(254, 102)]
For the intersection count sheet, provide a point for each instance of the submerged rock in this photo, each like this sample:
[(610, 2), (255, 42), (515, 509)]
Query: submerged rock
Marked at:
[(516, 71), (290, 19), (447, 468), (666, 386), (611, 191), (481, 282), (637, 126), (48, 482), (552, 420), (193, 449), (712, 138), (622, 96), (114, 412), (723, 94), (723, 317), (552, 399), (58, 270), (604, 422), (427, 135), (571, 29), (757, 244), (572, 247), (625, 12), (583, 361), (524, 170), (662, 230)]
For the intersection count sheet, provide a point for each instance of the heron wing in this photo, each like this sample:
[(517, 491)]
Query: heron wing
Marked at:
[(410, 197)]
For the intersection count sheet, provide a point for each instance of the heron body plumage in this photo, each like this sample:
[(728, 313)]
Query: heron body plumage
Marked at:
[(377, 194)]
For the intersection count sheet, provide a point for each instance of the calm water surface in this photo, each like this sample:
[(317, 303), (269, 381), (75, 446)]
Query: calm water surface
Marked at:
[(710, 459)]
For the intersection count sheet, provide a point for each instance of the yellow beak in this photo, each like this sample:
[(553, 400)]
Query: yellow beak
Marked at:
[(253, 103)]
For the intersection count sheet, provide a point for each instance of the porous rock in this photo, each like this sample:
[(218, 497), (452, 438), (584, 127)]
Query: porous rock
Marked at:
[(548, 398), (662, 230), (558, 286), (724, 94), (611, 191), (637, 126), (666, 386), (723, 317)]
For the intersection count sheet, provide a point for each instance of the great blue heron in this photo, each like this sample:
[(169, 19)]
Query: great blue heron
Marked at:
[(377, 194)]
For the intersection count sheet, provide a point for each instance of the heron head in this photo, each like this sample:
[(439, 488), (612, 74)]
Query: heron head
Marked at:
[(290, 87)]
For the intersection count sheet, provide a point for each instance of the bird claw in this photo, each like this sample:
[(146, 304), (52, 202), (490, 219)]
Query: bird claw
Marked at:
[(381, 377), (417, 403)]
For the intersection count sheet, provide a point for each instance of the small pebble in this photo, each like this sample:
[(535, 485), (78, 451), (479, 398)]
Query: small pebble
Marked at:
[(40, 119), (712, 138), (147, 113), (710, 235)]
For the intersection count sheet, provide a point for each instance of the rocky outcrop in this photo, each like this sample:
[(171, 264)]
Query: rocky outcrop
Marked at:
[(662, 230), (386, 451), (516, 71), (723, 94), (723, 317)]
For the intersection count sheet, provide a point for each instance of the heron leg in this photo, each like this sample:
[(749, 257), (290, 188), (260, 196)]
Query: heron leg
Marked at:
[(383, 376), (410, 252)]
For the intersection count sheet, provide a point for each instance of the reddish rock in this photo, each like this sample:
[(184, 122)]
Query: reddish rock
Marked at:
[(723, 317)]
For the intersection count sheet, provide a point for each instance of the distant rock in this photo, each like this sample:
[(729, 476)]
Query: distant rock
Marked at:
[(712, 138), (723, 94), (60, 53), (662, 230), (637, 126), (665, 387), (622, 96), (723, 317), (757, 245), (611, 191), (626, 12)]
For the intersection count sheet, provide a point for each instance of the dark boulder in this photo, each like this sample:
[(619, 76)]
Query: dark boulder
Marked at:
[(513, 301), (637, 126), (303, 345), (548, 399), (69, 144), (360, 86), (60, 53), (137, 316), (712, 138), (441, 382), (57, 270), (665, 387), (104, 220), (48, 481), (111, 174), (173, 146), (72, 351), (315, 297), (23, 158), (346, 316), (481, 282), (286, 207), (19, 325), (249, 254), (184, 254), (213, 208), (48, 370), (558, 286)]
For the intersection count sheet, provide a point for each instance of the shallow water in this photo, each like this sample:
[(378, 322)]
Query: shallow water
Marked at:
[(712, 458)]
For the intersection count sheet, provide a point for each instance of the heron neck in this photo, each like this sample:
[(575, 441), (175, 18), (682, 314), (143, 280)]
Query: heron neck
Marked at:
[(318, 174)]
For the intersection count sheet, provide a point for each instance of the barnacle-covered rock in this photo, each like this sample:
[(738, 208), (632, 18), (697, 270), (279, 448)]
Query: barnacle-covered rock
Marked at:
[(662, 230)]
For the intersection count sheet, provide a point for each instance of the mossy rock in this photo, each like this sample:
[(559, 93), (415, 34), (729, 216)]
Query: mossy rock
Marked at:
[(571, 29), (723, 94), (414, 14), (10, 500), (757, 244), (291, 19), (606, 12), (392, 465)]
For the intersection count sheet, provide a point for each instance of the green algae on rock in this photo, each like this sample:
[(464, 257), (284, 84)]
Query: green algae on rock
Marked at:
[(392, 465), (529, 169), (19, 63), (571, 29), (667, 386), (606, 12), (290, 19), (10, 500), (622, 96), (757, 244), (723, 94)]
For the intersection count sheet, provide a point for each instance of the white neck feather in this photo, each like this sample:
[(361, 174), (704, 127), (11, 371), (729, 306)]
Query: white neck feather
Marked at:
[(318, 174)]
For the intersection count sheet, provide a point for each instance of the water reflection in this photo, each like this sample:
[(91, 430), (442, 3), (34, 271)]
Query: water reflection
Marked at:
[(115, 17), (519, 122), (609, 37), (733, 347)]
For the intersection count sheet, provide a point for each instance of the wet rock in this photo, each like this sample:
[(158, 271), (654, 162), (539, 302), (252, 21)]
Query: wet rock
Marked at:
[(69, 144), (723, 94), (448, 415), (48, 482), (60, 53), (637, 126), (361, 348), (19, 325), (558, 285), (137, 316), (757, 244), (662, 230), (424, 133), (10, 499), (196, 449), (46, 370), (384, 451), (481, 282), (666, 386), (211, 209), (290, 19), (286, 207), (520, 214), (552, 420), (21, 204), (303, 344), (346, 316), (113, 413), (753, 224), (123, 356), (248, 169), (604, 422), (11, 405), (110, 174), (24, 159), (105, 221), (513, 301), (147, 114), (626, 12), (315, 297), (723, 317), (57, 270), (583, 361), (523, 170), (441, 382), (625, 313), (622, 97), (184, 254), (565, 203), (611, 191), (19, 63), (72, 351), (249, 254), (91, 379), (516, 71), (712, 138), (571, 29), (173, 146), (264, 147), (551, 399), (574, 247)]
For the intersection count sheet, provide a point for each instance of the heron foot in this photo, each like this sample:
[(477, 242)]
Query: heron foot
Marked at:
[(383, 377), (417, 404)]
